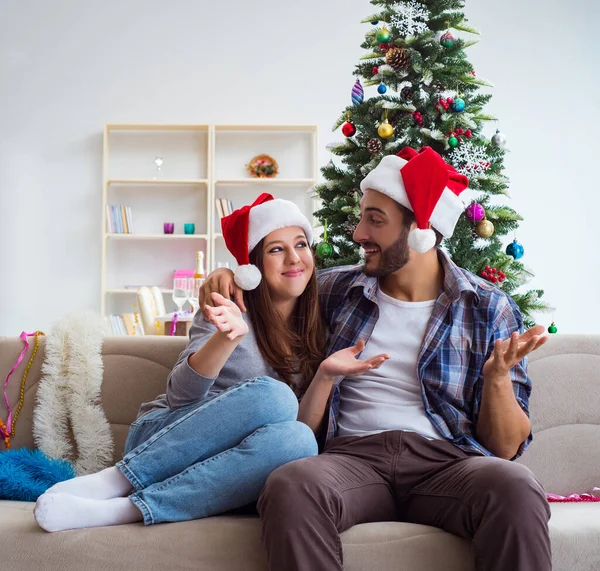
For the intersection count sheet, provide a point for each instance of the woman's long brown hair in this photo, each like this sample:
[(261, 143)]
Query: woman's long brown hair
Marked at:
[(291, 349)]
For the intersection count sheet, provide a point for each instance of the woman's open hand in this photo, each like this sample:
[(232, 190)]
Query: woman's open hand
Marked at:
[(226, 317)]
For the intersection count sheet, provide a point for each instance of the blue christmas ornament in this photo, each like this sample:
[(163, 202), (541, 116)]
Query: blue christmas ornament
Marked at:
[(458, 106), (515, 250), (358, 94), (381, 88), (374, 22)]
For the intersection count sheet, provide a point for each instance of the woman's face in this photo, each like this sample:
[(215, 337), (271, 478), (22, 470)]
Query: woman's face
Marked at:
[(287, 263)]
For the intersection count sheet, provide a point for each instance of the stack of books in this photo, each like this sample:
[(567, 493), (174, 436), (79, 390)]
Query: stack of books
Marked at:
[(125, 324), (224, 207), (119, 219)]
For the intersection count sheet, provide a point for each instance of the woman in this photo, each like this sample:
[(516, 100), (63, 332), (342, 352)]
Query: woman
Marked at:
[(208, 444)]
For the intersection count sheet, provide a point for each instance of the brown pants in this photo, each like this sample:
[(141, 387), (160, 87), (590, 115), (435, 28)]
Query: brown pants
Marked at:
[(401, 476)]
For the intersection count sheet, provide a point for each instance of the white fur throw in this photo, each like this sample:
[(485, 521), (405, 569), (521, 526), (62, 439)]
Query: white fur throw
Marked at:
[(69, 393)]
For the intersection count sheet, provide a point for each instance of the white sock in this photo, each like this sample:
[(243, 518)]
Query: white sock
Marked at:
[(105, 485), (59, 512)]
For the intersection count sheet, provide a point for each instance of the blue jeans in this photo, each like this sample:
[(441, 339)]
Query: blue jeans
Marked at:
[(214, 455)]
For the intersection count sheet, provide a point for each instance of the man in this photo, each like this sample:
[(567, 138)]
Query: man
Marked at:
[(428, 436)]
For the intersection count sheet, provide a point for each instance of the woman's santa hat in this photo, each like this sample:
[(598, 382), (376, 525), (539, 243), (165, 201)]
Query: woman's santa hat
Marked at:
[(425, 184), (245, 227)]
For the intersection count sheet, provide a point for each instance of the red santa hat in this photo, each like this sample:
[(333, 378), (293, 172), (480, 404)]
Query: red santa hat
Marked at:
[(245, 227), (424, 183)]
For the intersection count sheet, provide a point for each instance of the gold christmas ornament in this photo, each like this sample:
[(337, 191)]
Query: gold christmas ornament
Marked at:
[(385, 130), (397, 58), (484, 229)]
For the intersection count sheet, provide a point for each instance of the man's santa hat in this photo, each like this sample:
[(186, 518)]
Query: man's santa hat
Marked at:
[(245, 227), (425, 184)]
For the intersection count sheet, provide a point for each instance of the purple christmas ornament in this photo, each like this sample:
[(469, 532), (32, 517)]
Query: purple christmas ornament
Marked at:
[(358, 95), (475, 212)]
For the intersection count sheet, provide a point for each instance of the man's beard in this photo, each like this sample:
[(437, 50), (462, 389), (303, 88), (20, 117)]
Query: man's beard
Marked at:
[(391, 259)]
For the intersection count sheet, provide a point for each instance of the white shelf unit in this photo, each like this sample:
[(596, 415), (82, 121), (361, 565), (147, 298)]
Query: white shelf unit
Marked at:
[(200, 163)]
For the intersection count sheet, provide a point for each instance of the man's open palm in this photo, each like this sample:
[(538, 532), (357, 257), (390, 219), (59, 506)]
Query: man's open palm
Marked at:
[(344, 362), (508, 353)]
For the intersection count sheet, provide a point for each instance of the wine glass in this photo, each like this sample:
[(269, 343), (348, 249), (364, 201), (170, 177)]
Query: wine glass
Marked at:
[(194, 292), (180, 292)]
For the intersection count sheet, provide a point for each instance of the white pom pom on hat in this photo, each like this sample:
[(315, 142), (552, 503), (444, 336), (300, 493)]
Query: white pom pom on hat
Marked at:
[(244, 228), (247, 277), (424, 183), (421, 240)]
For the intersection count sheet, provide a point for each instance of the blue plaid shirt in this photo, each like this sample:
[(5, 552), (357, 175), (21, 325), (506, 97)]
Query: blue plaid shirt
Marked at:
[(467, 318)]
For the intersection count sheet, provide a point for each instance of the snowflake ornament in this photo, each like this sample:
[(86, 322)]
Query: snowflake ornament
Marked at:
[(470, 160), (410, 18)]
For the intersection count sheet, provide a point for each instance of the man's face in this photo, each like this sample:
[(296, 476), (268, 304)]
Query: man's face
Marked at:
[(382, 235)]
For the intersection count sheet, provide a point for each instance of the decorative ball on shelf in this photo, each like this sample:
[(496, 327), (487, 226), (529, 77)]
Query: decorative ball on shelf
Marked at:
[(552, 329), (407, 93), (458, 105), (349, 129), (447, 40), (484, 229), (381, 88), (515, 249), (374, 146), (383, 35), (397, 58), (385, 130), (499, 139), (453, 141), (358, 94), (475, 212)]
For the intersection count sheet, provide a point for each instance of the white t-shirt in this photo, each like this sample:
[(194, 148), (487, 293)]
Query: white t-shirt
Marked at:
[(389, 398)]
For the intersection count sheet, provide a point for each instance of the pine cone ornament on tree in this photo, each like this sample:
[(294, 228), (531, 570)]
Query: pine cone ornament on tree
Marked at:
[(407, 93), (374, 146), (349, 227), (398, 58)]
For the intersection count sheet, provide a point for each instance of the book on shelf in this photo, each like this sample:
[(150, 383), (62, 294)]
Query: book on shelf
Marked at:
[(125, 324), (224, 207), (119, 219)]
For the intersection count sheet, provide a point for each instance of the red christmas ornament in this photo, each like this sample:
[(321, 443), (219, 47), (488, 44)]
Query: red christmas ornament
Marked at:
[(375, 70), (349, 129)]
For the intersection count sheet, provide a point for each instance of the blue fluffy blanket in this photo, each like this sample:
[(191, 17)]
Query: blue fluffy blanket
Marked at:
[(26, 474)]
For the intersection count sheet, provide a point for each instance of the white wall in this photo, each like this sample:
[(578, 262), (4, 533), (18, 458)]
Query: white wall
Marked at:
[(68, 67)]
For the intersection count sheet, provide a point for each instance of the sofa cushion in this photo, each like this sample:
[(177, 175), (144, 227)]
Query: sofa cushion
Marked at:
[(232, 543)]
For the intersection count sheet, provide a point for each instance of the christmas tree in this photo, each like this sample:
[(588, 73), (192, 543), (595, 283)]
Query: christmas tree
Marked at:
[(428, 94)]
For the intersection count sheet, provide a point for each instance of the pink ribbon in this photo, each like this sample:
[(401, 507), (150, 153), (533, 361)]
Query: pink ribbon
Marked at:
[(174, 324), (19, 360), (573, 498)]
